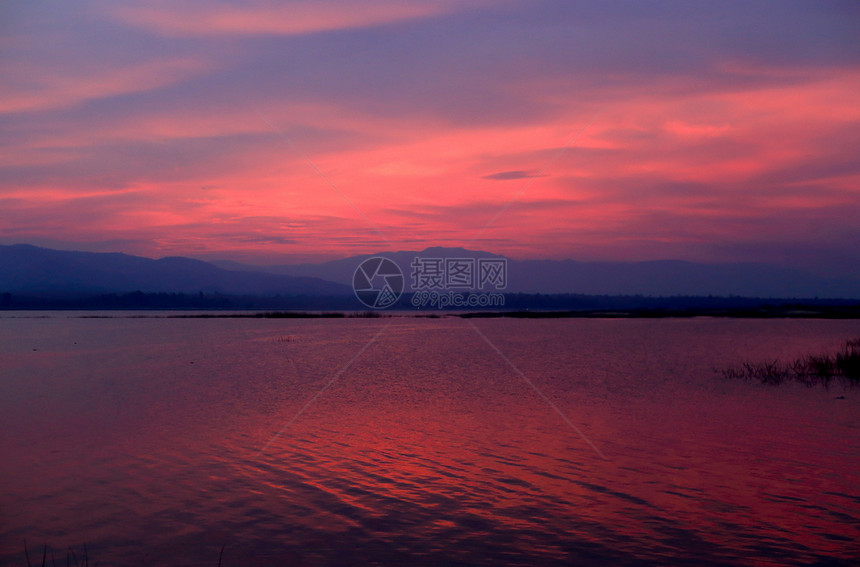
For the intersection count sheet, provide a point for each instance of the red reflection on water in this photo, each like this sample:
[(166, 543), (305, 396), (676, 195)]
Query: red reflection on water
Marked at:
[(427, 448)]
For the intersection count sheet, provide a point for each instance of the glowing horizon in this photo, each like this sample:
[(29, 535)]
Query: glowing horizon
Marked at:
[(319, 130)]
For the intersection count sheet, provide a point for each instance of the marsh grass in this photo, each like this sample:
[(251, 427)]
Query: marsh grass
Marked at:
[(84, 561), (811, 369), (72, 558)]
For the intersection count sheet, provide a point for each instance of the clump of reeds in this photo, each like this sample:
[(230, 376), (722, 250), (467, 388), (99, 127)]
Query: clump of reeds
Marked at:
[(772, 372), (84, 561), (71, 557), (811, 369), (366, 315)]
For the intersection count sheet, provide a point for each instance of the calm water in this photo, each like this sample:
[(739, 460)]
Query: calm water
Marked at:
[(156, 441)]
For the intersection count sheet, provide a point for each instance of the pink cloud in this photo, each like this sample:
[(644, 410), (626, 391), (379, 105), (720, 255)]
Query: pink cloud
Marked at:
[(195, 18), (197, 151), (36, 90)]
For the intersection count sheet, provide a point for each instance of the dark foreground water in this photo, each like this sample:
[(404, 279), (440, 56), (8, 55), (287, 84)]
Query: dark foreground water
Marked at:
[(158, 441)]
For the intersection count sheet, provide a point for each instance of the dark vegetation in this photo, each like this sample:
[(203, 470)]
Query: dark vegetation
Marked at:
[(286, 315), (810, 369), (72, 558), (533, 306), (794, 311), (516, 305), (166, 301)]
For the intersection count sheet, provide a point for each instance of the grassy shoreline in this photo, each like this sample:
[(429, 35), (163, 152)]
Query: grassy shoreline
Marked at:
[(811, 370)]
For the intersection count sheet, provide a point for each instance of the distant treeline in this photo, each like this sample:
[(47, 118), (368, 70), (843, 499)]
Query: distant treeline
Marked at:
[(202, 301), (575, 305), (573, 301), (516, 304)]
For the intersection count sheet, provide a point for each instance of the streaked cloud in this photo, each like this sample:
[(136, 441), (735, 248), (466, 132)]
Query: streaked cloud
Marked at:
[(509, 175), (70, 87), (184, 18), (724, 130)]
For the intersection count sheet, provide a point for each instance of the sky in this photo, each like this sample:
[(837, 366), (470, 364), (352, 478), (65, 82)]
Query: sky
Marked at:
[(282, 132)]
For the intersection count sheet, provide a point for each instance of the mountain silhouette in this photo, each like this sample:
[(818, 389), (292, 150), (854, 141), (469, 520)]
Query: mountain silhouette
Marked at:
[(33, 270), (653, 278), (26, 269)]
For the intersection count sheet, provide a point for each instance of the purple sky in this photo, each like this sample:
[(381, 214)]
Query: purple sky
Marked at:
[(288, 131)]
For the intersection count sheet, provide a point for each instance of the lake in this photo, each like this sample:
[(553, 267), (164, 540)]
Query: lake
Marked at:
[(419, 441)]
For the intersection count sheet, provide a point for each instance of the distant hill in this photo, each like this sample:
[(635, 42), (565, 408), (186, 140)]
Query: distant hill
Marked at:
[(655, 278), (341, 271), (673, 277), (31, 270)]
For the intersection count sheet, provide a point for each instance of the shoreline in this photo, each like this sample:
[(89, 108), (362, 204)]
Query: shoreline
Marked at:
[(765, 312)]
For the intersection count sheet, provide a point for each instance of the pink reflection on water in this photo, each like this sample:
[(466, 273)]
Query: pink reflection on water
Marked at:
[(428, 448)]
